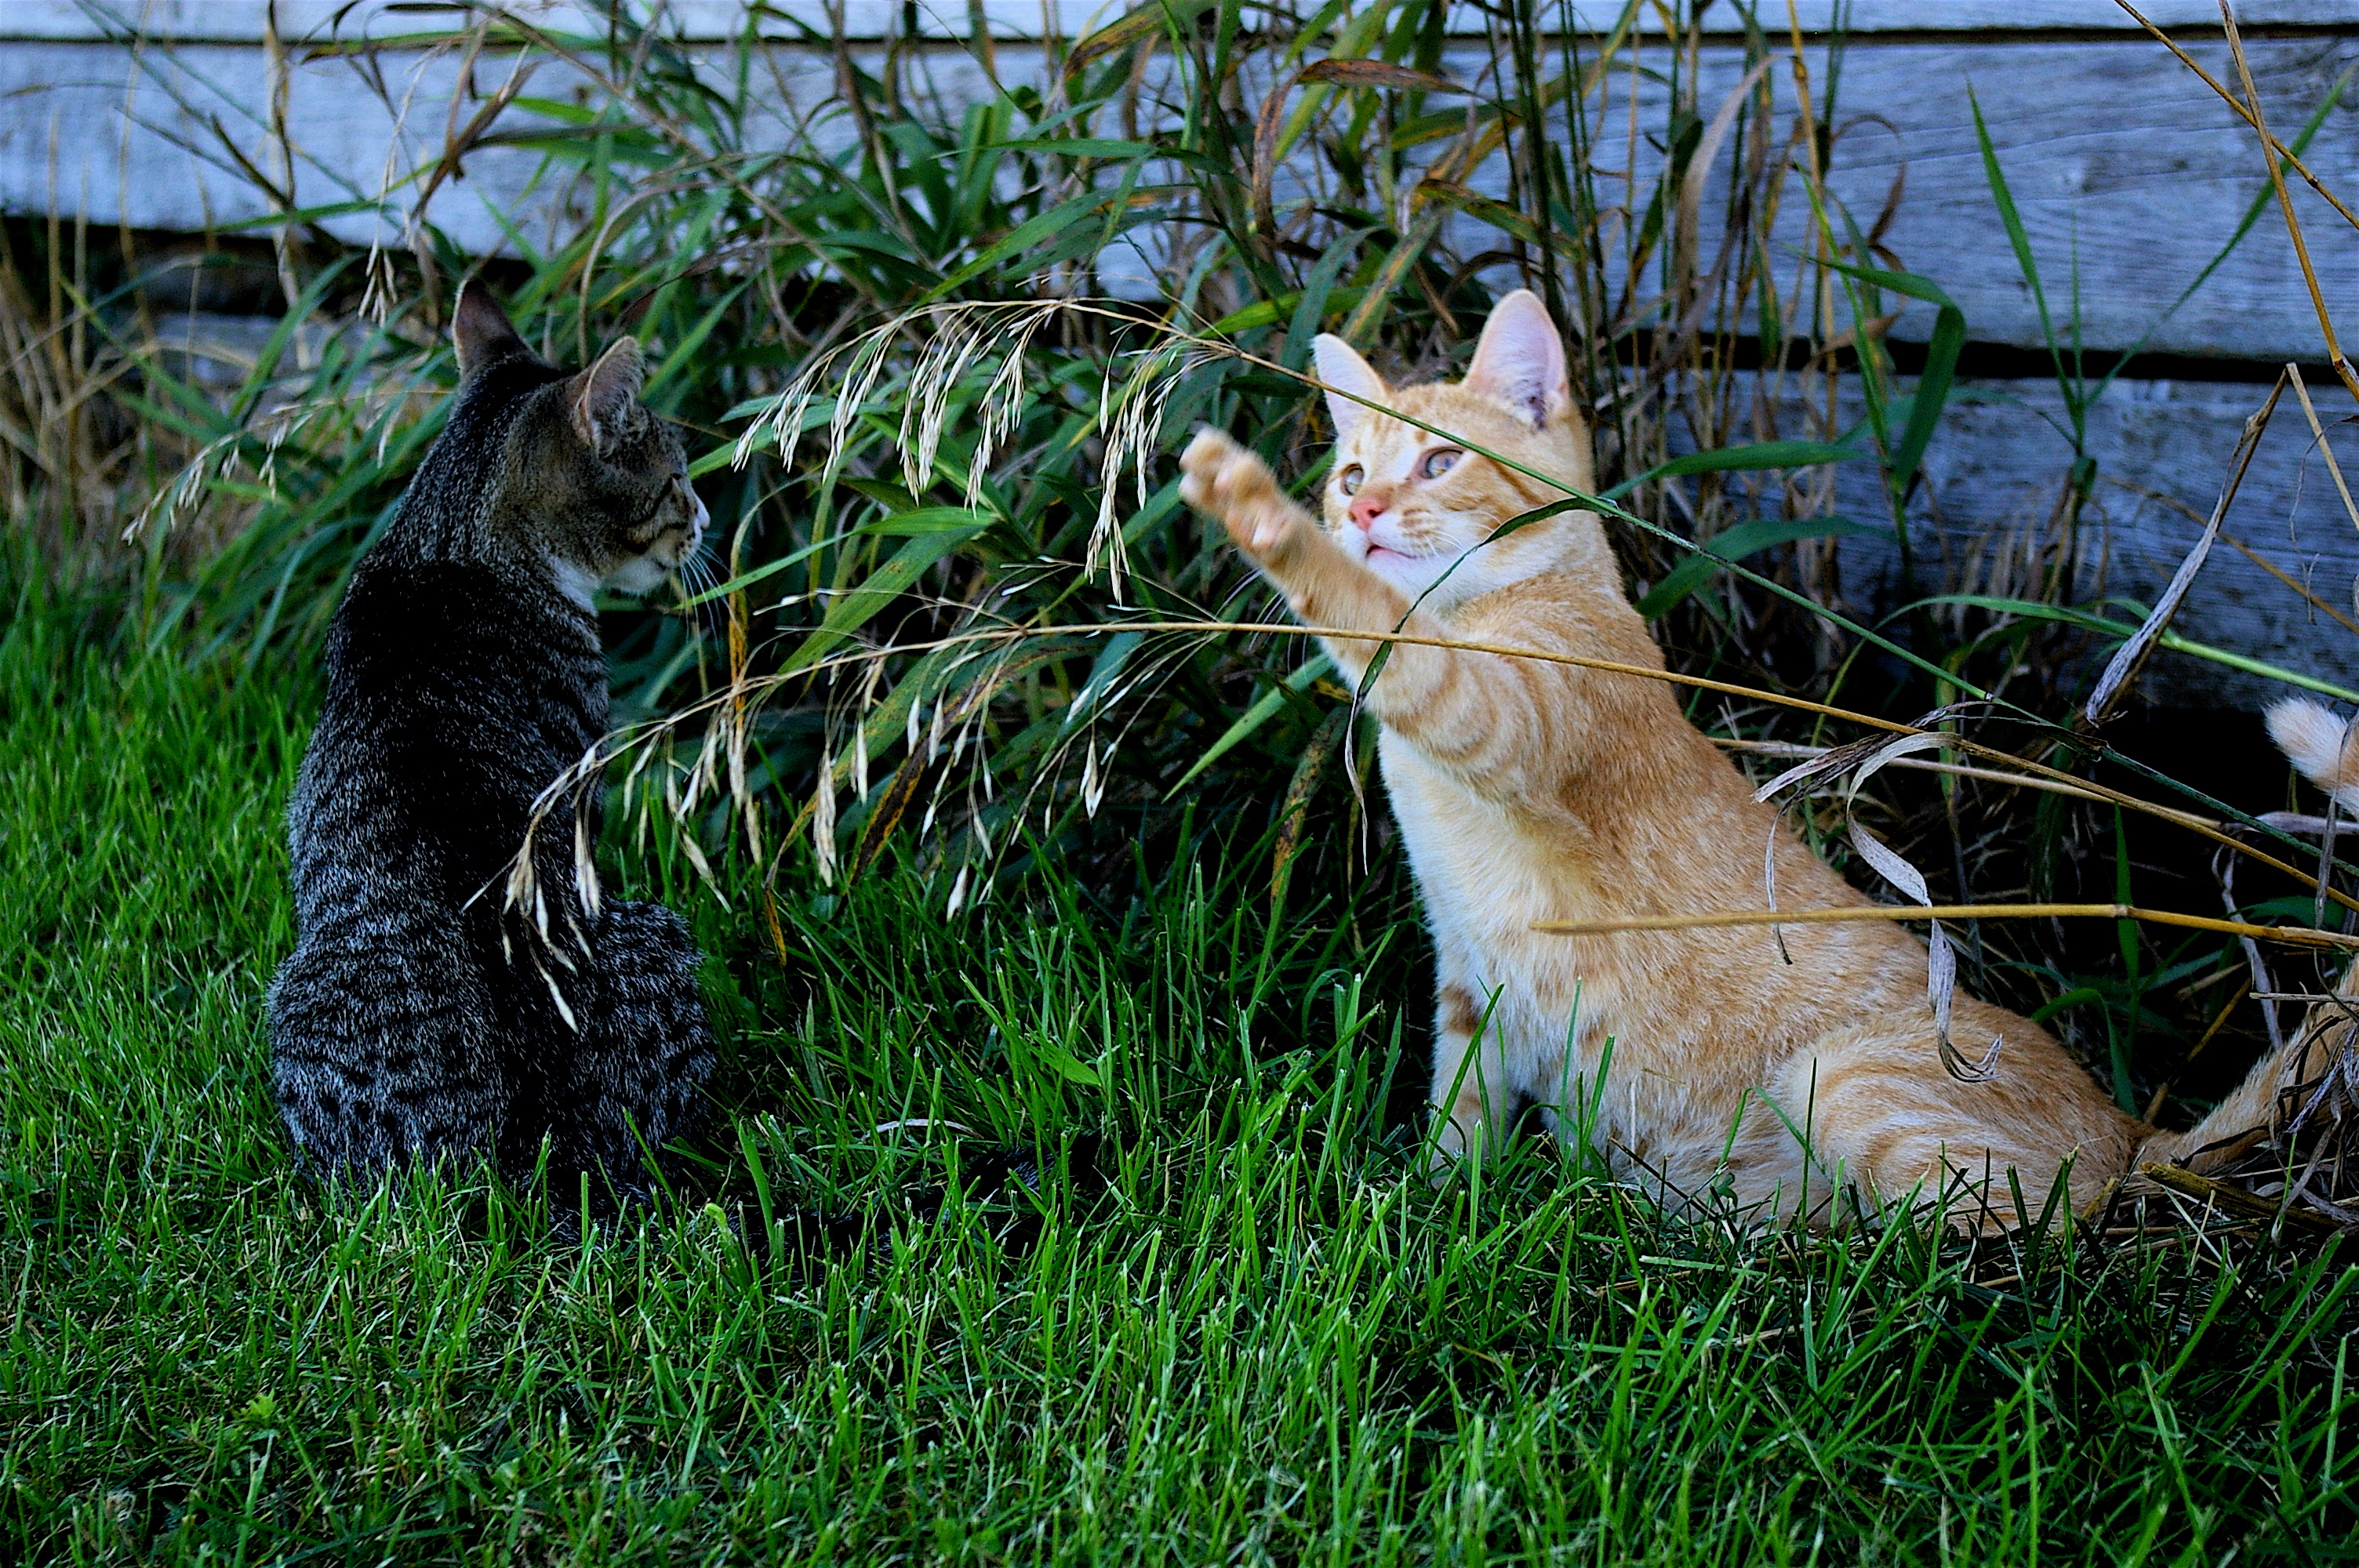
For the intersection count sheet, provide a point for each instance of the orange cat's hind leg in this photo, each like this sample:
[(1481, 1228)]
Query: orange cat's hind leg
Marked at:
[(1472, 1100)]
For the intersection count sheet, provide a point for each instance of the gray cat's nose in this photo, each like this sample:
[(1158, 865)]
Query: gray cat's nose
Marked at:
[(697, 520)]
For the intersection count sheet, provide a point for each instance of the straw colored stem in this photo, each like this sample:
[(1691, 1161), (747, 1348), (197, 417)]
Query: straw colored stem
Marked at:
[(2203, 826), (2297, 936), (2318, 433)]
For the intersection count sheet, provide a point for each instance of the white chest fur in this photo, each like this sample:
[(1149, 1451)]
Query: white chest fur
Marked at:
[(1485, 880)]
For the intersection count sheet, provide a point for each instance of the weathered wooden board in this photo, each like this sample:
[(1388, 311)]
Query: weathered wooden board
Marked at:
[(2130, 175), (2128, 171), (2016, 15), (246, 21), (706, 21), (1996, 468), (88, 133)]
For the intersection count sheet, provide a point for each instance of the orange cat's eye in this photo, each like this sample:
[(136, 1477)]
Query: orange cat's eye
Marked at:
[(1439, 462), (1352, 478)]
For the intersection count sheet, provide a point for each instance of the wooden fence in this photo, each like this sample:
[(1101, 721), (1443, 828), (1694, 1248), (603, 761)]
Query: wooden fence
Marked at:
[(2131, 176)]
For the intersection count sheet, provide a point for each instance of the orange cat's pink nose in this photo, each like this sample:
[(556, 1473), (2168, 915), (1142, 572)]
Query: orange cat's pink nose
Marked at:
[(1369, 505)]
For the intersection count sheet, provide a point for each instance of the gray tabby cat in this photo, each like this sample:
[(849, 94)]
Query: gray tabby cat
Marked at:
[(416, 1018)]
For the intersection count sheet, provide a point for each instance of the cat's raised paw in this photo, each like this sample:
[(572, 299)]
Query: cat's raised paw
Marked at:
[(1225, 482)]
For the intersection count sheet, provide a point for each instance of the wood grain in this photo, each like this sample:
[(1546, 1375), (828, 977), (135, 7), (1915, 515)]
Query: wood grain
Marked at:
[(1997, 467), (245, 21), (2129, 174), (87, 134)]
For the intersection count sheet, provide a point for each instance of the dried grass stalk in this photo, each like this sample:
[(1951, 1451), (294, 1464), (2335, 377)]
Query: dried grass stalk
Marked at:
[(2292, 935)]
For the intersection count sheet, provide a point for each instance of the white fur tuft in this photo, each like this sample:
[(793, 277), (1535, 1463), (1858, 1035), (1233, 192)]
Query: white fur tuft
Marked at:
[(2320, 745)]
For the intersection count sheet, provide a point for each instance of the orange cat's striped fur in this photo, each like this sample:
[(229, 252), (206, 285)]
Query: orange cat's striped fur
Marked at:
[(1529, 791)]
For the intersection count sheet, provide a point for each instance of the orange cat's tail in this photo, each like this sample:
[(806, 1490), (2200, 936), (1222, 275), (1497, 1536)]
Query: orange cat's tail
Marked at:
[(2326, 750)]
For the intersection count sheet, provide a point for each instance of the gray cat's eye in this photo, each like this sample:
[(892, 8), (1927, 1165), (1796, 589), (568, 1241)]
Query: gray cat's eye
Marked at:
[(648, 526), (1439, 462), (1352, 477)]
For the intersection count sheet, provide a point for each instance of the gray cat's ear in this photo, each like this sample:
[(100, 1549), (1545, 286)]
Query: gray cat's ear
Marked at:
[(480, 329), (603, 393), (1520, 361), (1342, 368)]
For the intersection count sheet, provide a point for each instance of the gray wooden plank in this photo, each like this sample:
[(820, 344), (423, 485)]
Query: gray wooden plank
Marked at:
[(246, 21), (148, 151), (2124, 167), (1867, 16), (2128, 172), (87, 135), (1997, 466), (705, 21)]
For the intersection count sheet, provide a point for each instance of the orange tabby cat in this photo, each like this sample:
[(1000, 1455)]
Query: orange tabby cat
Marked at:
[(1532, 791)]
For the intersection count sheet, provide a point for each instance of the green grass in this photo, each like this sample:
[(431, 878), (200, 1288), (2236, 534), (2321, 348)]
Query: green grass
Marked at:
[(1265, 1341)]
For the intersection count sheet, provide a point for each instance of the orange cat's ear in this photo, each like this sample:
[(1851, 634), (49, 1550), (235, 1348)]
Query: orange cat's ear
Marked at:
[(1343, 368), (1520, 361), (480, 329)]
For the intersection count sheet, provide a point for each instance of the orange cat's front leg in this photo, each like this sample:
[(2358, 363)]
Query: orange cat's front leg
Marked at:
[(1323, 586), (1223, 481), (1474, 1096)]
